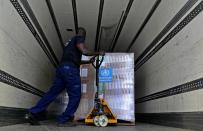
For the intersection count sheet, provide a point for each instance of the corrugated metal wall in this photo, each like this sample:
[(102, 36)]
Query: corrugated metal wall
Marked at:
[(24, 55), (169, 71)]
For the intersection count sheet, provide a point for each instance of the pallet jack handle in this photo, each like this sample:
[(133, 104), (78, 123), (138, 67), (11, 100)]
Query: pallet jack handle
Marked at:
[(97, 65)]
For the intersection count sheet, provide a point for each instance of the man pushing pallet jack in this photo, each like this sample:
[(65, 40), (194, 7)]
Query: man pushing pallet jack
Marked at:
[(68, 77)]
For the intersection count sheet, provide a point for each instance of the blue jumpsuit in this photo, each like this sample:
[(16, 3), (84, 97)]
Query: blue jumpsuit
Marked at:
[(67, 77)]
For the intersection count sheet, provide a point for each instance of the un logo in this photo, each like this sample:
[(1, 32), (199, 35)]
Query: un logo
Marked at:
[(105, 72)]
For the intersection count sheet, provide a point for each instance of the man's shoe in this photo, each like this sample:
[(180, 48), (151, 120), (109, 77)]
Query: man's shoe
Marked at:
[(41, 116), (30, 118)]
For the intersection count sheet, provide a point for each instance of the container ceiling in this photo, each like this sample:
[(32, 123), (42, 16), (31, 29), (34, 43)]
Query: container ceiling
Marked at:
[(110, 24), (114, 25)]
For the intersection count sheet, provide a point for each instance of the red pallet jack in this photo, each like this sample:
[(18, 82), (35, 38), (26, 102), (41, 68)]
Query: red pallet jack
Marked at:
[(101, 115)]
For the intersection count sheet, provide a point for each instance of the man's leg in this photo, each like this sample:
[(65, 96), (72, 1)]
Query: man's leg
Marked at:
[(50, 96), (57, 87), (73, 87)]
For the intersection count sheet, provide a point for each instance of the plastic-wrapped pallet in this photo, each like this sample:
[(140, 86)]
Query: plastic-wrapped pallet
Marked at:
[(119, 93)]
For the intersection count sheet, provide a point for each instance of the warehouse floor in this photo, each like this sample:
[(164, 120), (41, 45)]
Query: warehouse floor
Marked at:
[(50, 127)]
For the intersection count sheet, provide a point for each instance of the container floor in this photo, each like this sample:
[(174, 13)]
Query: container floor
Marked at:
[(50, 126)]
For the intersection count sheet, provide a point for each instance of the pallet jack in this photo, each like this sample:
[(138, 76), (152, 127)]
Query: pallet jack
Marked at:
[(101, 115)]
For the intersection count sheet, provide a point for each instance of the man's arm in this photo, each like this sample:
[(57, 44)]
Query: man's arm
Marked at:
[(88, 61), (86, 52)]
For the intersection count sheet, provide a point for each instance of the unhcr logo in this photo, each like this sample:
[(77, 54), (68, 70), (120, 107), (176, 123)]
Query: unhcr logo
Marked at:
[(105, 72), (105, 75)]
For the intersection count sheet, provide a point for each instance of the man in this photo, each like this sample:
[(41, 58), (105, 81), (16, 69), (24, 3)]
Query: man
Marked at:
[(67, 77)]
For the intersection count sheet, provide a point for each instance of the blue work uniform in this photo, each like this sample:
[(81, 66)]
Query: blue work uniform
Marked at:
[(67, 77)]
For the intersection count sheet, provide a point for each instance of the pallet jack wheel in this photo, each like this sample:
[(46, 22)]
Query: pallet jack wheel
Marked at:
[(96, 121), (103, 120)]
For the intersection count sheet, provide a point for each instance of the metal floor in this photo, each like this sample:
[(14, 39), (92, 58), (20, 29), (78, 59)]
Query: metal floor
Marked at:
[(49, 127)]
